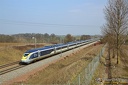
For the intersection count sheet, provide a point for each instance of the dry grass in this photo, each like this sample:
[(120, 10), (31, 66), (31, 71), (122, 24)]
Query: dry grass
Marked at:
[(120, 70), (100, 71), (64, 70), (11, 44), (10, 52), (117, 71)]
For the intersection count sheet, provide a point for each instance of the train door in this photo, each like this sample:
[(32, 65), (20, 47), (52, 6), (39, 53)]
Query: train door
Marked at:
[(68, 46), (38, 53), (54, 49)]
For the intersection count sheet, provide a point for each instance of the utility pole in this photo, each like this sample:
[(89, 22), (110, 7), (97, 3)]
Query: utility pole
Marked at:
[(34, 40)]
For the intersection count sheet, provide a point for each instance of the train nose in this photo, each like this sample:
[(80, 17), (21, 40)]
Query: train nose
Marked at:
[(24, 61), (23, 58)]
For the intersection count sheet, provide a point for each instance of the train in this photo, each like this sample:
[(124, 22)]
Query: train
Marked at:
[(33, 55)]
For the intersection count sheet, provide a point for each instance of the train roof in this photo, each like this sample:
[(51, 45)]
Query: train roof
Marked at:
[(55, 45), (44, 48), (33, 50)]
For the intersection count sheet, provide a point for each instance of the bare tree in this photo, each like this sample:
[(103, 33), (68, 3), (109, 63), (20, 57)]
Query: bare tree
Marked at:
[(68, 38), (116, 15), (85, 37)]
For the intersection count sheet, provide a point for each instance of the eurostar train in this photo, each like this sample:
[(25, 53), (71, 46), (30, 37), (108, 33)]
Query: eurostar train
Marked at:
[(40, 53)]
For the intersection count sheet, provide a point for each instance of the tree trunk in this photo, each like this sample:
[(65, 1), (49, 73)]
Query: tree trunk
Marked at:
[(109, 64), (117, 62), (113, 56)]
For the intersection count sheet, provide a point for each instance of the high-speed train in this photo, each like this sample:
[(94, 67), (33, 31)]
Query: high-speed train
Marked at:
[(40, 53)]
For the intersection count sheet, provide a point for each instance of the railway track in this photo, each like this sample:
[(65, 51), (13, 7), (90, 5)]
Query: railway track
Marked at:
[(7, 65), (10, 67)]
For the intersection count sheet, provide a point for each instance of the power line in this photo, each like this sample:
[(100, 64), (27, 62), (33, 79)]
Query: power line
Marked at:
[(38, 23)]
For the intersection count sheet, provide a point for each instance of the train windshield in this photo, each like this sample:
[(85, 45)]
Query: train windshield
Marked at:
[(26, 54)]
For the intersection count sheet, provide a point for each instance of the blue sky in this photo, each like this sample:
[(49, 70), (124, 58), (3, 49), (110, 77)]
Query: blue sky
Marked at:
[(60, 17)]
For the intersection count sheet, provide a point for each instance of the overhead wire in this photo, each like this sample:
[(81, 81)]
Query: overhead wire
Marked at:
[(5, 21)]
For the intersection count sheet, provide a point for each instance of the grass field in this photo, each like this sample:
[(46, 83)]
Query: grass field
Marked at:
[(10, 52), (65, 70)]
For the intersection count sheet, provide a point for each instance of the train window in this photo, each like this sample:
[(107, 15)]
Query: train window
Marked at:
[(26, 54), (42, 53), (34, 55)]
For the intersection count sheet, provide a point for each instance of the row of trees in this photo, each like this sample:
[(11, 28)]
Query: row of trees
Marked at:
[(7, 38), (41, 38), (115, 30)]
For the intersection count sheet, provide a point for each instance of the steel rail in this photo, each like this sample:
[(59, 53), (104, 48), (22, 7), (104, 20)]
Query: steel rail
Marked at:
[(11, 69), (9, 64)]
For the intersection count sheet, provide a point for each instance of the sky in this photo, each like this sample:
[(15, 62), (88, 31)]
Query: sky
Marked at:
[(61, 17)]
